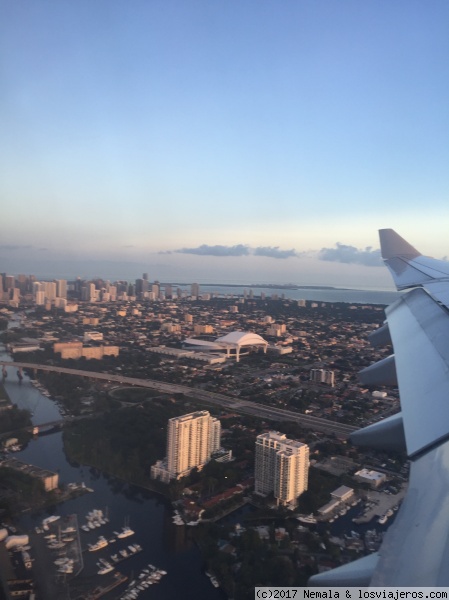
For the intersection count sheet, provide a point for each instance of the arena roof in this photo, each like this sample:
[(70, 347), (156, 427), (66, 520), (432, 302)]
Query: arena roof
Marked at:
[(242, 338), (235, 341)]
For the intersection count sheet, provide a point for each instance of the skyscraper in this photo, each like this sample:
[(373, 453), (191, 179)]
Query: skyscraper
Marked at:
[(195, 290), (61, 288), (50, 290), (282, 467), (191, 439)]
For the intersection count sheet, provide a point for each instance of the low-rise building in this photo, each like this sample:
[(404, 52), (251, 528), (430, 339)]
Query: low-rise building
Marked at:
[(374, 478)]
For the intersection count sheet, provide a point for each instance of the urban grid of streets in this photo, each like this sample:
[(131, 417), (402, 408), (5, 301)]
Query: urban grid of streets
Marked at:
[(274, 388)]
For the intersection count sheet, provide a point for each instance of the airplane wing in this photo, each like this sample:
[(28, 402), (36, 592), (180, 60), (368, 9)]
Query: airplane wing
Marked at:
[(415, 551)]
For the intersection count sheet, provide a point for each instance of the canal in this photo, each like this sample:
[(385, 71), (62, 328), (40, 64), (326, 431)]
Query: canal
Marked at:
[(165, 544)]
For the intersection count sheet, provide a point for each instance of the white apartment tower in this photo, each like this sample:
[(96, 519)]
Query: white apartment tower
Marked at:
[(282, 467), (191, 439)]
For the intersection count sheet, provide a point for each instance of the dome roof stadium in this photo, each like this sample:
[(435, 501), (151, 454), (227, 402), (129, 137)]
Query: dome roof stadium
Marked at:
[(242, 338), (233, 343)]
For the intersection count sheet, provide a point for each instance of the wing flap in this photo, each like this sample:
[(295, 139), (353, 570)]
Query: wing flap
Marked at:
[(387, 434), (382, 372), (415, 550), (355, 574), (419, 329)]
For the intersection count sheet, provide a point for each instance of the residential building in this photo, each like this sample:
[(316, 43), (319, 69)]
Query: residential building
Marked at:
[(322, 376), (191, 439), (202, 329), (282, 467)]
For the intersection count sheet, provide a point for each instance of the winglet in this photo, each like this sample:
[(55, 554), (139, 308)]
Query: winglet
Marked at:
[(409, 267), (392, 245)]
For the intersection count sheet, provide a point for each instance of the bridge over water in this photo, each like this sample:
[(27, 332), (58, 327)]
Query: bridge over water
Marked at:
[(220, 400)]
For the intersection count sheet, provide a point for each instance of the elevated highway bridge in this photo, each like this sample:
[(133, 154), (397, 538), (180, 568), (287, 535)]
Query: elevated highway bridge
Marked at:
[(230, 403)]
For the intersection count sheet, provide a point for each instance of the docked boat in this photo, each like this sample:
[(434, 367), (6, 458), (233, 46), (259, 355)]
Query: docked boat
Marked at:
[(63, 561), (54, 545), (68, 530), (46, 522), (307, 518), (67, 569), (125, 532), (105, 569), (213, 579), (101, 543)]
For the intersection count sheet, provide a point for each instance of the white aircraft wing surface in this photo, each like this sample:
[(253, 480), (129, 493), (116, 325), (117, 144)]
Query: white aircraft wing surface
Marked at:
[(415, 551)]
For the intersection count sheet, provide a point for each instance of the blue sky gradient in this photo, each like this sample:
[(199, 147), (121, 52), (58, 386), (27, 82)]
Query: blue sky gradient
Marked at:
[(140, 128)]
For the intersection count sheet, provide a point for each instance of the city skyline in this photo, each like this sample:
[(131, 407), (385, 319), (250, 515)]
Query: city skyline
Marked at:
[(227, 143)]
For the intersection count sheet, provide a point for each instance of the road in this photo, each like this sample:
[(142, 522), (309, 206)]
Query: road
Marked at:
[(231, 403)]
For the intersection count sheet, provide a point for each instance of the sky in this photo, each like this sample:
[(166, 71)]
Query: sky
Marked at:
[(222, 140)]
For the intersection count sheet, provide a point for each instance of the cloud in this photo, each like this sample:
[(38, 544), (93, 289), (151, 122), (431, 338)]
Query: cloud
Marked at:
[(205, 250), (349, 254), (274, 252), (14, 247)]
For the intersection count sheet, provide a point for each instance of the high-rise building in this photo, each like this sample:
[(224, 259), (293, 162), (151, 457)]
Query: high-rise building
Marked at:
[(282, 467), (88, 292), (322, 376), (10, 282), (61, 288), (195, 290), (112, 293), (50, 290), (189, 442), (21, 281), (191, 439)]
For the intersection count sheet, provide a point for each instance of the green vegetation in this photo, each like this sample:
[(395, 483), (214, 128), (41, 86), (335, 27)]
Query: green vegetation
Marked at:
[(124, 443), (72, 391), (134, 395), (14, 418), (320, 486), (19, 490), (3, 394), (245, 561)]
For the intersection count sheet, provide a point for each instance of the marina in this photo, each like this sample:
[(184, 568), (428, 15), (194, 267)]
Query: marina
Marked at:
[(148, 515)]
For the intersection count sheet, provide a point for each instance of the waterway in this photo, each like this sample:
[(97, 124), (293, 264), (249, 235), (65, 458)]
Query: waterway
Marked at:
[(319, 294), (165, 544)]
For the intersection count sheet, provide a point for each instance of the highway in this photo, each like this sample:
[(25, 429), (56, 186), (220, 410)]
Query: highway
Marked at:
[(230, 403)]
